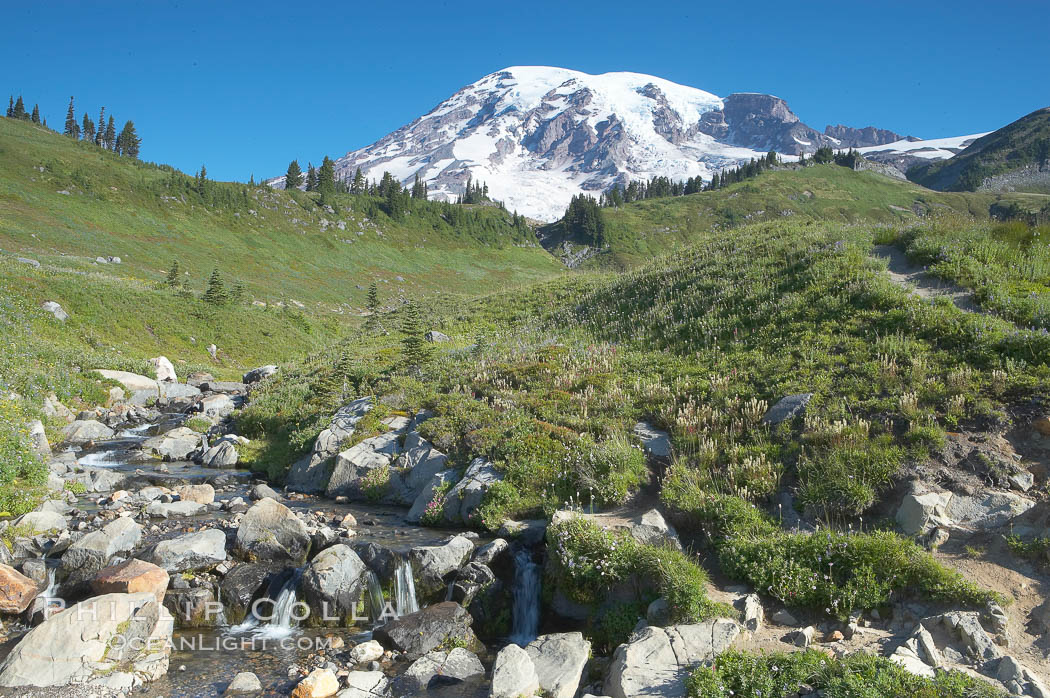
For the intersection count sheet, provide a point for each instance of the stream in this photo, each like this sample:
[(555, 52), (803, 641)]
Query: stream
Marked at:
[(204, 660)]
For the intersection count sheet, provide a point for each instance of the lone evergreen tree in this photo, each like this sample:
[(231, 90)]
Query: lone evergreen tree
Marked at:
[(215, 293), (110, 139), (414, 344), (372, 301), (101, 133), (128, 141), (173, 274), (72, 129), (326, 180), (11, 108), (359, 185), (36, 114), (20, 109), (294, 176)]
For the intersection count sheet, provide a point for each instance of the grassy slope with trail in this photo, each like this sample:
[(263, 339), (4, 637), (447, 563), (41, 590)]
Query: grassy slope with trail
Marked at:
[(817, 193)]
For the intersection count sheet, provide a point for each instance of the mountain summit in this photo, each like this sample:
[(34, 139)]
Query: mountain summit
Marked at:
[(540, 135)]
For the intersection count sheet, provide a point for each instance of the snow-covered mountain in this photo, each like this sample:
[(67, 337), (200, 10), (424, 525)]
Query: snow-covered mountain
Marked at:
[(539, 135)]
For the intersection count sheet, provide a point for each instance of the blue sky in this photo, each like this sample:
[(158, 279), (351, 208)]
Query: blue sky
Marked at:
[(245, 87)]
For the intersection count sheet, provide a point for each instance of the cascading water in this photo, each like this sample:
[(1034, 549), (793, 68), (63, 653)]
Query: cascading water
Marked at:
[(278, 617), (405, 588), (376, 601), (525, 624)]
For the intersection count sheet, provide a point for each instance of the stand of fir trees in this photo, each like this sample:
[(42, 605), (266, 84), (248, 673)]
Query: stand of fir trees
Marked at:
[(583, 220), (125, 142)]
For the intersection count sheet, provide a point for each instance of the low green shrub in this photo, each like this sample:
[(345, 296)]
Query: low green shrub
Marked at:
[(23, 473), (739, 674)]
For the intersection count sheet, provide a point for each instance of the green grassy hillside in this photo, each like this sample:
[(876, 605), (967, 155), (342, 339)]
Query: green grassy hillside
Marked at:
[(826, 193), (66, 203), (1022, 144)]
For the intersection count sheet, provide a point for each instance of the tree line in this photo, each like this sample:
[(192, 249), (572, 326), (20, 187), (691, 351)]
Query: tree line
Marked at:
[(104, 135)]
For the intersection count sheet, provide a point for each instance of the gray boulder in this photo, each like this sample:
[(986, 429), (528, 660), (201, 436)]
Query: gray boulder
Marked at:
[(115, 642), (311, 473), (190, 552), (466, 496), (174, 445), (216, 406), (270, 531), (91, 553), (656, 661), (436, 565), (55, 309), (417, 633), (559, 660), (366, 684), (243, 683), (359, 460), (262, 491), (332, 585), (514, 674), (426, 495), (655, 442), (785, 409), (452, 667), (437, 337), (223, 454), (83, 430), (257, 374), (41, 522), (166, 510)]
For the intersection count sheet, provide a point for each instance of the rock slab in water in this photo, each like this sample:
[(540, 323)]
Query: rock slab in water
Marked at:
[(449, 668), (319, 683), (90, 554), (514, 674), (332, 585), (366, 684), (176, 444), (270, 531), (132, 577), (418, 633), (115, 641), (657, 661), (559, 660), (243, 683), (436, 565), (83, 430), (191, 552)]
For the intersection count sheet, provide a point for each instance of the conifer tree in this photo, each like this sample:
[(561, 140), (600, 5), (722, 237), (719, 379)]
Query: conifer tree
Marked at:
[(20, 109), (359, 185), (71, 121), (36, 114), (294, 176), (326, 180), (110, 139), (128, 141), (413, 344), (88, 128), (172, 278), (311, 177), (11, 107), (372, 302), (215, 293), (100, 133)]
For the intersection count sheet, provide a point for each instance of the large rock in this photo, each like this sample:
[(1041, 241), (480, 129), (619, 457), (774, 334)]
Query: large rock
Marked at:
[(114, 641), (194, 607), (785, 409), (83, 430), (514, 674), (657, 661), (918, 513), (449, 667), (87, 556), (436, 565), (240, 587), (428, 629), (311, 473), (133, 382), (38, 437), (55, 309), (986, 510), (17, 591), (559, 660), (222, 454), (358, 461), (191, 552), (40, 522), (426, 495), (216, 406), (966, 626), (416, 468), (163, 391), (257, 374), (332, 585), (466, 496), (269, 531), (244, 683), (166, 510), (201, 494), (164, 370), (176, 444), (319, 683), (132, 577)]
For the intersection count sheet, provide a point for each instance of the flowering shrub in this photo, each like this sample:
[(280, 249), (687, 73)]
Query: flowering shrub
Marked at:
[(434, 512), (739, 674)]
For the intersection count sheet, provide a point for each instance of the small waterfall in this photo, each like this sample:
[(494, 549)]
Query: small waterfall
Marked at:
[(278, 616), (376, 602), (405, 589), (525, 623), (51, 592)]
